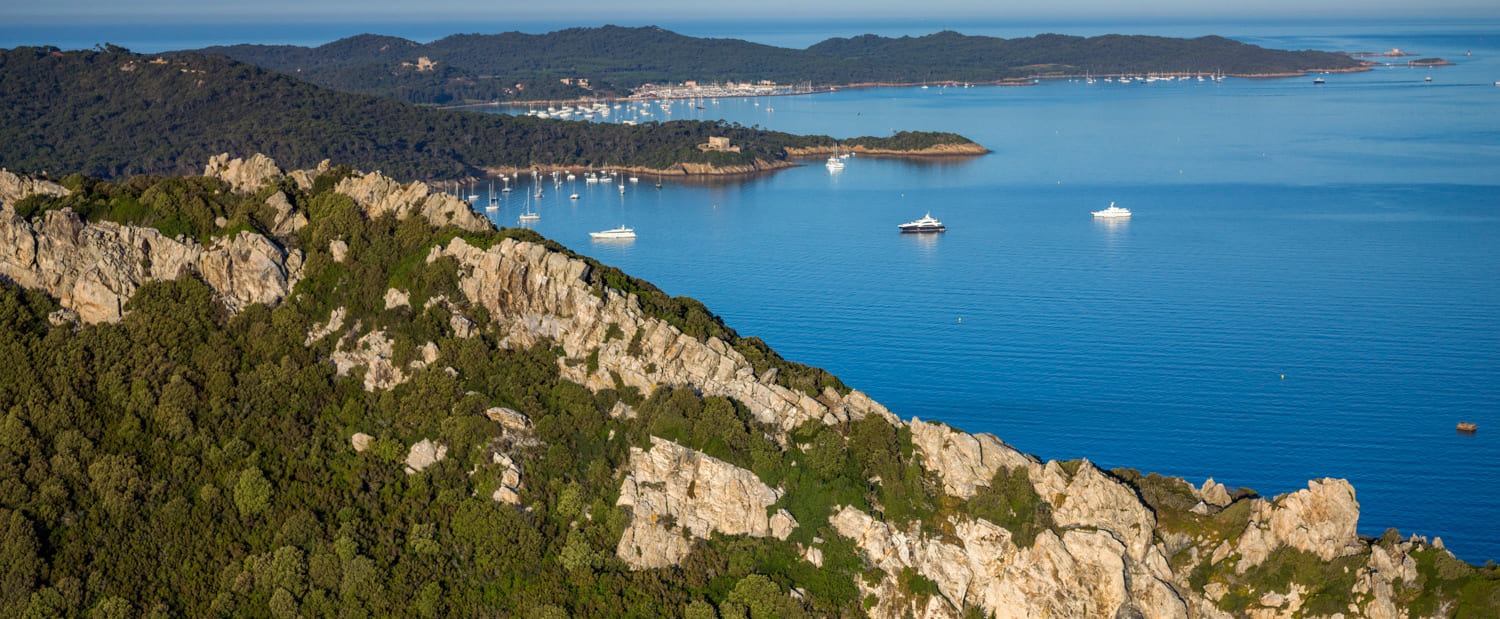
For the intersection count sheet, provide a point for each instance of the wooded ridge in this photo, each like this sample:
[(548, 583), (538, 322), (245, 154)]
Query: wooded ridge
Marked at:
[(479, 67)]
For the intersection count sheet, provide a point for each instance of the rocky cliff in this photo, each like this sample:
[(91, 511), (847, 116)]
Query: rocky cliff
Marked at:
[(95, 268)]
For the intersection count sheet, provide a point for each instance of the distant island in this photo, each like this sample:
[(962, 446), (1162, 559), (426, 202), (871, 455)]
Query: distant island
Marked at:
[(612, 61), (111, 113)]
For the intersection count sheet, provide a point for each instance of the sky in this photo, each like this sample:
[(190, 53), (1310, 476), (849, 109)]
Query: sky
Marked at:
[(636, 10), (150, 26)]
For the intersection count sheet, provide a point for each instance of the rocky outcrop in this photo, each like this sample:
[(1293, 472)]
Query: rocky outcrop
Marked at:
[(95, 268), (243, 175), (287, 221), (509, 490), (964, 461), (1320, 519), (377, 195), (424, 453), (533, 294), (14, 187), (1080, 573), (673, 490)]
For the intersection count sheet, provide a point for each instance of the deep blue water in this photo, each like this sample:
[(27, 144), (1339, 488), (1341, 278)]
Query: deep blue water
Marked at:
[(1308, 288)]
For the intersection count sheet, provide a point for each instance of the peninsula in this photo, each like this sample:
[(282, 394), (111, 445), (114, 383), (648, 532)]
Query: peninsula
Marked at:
[(110, 113), (316, 392)]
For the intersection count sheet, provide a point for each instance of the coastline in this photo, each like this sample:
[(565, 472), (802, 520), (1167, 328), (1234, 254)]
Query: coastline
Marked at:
[(972, 149), (1031, 80)]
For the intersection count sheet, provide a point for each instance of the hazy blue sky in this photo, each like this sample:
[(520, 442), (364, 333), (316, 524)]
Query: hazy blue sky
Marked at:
[(628, 11)]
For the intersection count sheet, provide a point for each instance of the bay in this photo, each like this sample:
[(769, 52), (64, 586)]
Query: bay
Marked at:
[(1307, 288)]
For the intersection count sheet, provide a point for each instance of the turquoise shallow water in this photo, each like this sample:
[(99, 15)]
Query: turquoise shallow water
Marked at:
[(1307, 289)]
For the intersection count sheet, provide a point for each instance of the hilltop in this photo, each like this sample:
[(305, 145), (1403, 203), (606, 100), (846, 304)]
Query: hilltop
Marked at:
[(113, 114), (479, 67), (324, 392)]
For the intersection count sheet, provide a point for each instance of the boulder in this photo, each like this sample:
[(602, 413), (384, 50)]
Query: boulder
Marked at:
[(396, 298), (423, 454), (360, 441), (510, 420), (338, 249)]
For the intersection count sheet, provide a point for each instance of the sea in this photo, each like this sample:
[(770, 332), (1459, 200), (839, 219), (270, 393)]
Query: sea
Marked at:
[(1309, 286)]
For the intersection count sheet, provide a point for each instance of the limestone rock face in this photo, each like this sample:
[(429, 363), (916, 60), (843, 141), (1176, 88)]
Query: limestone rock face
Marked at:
[(533, 293), (673, 489), (377, 195), (360, 441), (1089, 498), (1320, 519), (14, 187), (1082, 573), (243, 175), (94, 268), (250, 269), (287, 222), (964, 461)]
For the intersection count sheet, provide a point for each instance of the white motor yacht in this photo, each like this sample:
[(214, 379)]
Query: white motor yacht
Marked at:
[(617, 233), (1112, 212), (926, 224)]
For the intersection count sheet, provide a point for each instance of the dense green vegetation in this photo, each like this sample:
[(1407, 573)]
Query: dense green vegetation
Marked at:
[(615, 59), (908, 140), (113, 114), (218, 445)]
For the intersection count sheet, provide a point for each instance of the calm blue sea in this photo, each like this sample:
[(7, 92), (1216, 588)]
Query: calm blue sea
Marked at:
[(1309, 288)]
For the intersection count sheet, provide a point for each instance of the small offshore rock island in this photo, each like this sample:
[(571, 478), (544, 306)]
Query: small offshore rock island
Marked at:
[(320, 389)]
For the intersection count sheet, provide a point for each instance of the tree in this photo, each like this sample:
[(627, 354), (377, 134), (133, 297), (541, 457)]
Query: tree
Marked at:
[(252, 493)]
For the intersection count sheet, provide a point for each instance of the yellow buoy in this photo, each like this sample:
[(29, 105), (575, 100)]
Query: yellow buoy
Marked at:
[(1283, 377)]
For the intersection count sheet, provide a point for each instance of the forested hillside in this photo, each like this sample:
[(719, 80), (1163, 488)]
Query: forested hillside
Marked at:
[(115, 114), (488, 450), (615, 59)]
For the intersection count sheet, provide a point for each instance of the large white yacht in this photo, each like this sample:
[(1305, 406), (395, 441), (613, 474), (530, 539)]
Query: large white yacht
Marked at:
[(926, 224), (834, 163), (1112, 212), (618, 233)]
